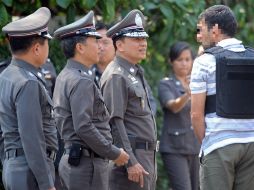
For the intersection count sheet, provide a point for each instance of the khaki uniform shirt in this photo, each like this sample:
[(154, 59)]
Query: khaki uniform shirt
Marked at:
[(125, 92), (26, 117), (80, 112)]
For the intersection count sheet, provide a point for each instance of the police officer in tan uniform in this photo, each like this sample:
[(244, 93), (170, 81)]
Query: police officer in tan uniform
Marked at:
[(80, 112), (126, 96), (29, 133)]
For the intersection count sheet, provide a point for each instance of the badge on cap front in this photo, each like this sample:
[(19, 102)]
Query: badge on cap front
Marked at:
[(138, 20)]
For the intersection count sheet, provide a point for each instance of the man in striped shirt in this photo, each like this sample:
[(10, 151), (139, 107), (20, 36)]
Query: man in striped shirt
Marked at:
[(227, 151)]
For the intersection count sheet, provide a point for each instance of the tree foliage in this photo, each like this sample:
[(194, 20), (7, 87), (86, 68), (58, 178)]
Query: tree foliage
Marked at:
[(167, 21)]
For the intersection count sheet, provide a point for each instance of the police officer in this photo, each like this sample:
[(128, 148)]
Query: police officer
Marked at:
[(107, 51), (49, 72), (47, 69), (107, 54), (26, 121), (80, 112), (125, 91)]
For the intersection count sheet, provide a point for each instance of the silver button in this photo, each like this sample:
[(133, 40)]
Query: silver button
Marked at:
[(132, 70), (39, 74), (177, 133)]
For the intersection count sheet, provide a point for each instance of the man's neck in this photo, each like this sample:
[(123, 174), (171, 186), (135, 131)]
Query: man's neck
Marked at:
[(101, 67), (134, 62), (27, 58), (82, 61)]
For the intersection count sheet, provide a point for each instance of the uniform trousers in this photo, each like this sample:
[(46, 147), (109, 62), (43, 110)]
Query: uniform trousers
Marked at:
[(18, 176), (228, 168), (90, 174), (119, 176), (182, 170)]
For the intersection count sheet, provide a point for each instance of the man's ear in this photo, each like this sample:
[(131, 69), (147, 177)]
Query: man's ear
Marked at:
[(79, 48), (119, 45), (216, 31), (36, 48)]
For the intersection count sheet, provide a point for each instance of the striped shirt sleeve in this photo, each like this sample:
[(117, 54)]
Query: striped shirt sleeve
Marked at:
[(203, 67)]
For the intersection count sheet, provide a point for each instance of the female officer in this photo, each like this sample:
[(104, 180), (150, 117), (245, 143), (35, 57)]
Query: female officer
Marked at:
[(179, 147)]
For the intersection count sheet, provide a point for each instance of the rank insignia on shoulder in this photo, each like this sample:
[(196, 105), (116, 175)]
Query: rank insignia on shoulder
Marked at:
[(48, 76), (31, 74)]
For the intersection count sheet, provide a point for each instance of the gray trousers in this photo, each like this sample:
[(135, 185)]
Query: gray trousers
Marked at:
[(90, 174), (119, 176), (18, 176), (182, 170)]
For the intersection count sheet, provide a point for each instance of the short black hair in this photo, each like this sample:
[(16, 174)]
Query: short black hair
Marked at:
[(221, 15), (69, 44), (22, 44), (116, 39), (100, 26), (177, 48)]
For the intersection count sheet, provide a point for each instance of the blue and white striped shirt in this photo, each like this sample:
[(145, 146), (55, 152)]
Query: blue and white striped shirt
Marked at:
[(219, 131)]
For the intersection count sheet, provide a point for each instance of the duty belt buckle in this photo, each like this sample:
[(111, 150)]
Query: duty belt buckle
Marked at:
[(157, 146)]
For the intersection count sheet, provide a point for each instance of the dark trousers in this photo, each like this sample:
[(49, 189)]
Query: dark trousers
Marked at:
[(119, 176), (18, 176), (90, 174), (182, 170)]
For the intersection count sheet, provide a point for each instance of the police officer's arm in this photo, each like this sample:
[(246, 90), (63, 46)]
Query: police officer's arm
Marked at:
[(115, 95), (151, 99), (1, 146), (82, 103), (198, 115), (168, 99), (29, 116), (49, 125)]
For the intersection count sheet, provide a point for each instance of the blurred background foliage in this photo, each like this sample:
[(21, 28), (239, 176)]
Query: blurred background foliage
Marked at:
[(167, 21)]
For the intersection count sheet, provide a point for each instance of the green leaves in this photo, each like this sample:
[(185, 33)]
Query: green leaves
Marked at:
[(89, 4), (63, 3), (108, 10), (8, 3), (3, 15)]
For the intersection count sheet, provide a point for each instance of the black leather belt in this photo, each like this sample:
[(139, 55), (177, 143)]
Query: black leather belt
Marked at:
[(145, 145), (14, 153), (20, 152), (85, 152)]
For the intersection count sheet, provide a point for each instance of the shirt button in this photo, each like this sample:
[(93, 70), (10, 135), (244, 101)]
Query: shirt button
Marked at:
[(177, 133)]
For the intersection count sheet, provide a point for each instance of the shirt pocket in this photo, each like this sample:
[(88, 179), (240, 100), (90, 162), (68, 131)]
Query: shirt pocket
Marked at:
[(179, 137), (140, 101)]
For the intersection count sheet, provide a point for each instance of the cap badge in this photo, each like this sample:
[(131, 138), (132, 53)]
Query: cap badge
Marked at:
[(138, 20)]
